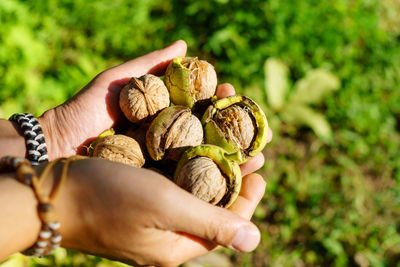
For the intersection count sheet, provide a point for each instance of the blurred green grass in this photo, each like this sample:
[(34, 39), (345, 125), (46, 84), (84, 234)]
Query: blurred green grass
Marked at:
[(335, 204)]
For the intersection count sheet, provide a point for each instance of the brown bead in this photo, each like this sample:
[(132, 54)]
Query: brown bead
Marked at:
[(25, 174), (47, 212)]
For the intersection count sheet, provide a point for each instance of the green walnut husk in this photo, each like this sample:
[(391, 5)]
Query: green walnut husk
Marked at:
[(190, 80), (172, 131), (236, 123), (92, 145), (208, 172)]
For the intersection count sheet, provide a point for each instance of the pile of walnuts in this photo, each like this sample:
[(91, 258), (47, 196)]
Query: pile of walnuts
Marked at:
[(180, 129)]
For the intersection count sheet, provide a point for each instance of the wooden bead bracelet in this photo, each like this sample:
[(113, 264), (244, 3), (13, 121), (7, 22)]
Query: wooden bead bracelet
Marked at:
[(49, 237)]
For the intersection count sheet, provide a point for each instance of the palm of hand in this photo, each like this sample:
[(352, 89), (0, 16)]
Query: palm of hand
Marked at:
[(95, 108)]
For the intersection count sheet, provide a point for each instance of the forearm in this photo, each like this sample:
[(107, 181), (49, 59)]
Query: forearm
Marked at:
[(19, 221)]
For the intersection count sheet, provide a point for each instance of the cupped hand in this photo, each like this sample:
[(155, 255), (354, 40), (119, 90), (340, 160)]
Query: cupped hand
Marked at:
[(139, 217), (70, 127)]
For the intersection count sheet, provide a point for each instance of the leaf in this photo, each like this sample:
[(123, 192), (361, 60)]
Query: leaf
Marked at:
[(15, 260), (314, 87), (276, 82), (301, 114), (333, 246)]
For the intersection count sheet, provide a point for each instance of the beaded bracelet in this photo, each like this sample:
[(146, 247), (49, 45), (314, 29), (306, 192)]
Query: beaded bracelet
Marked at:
[(35, 143), (49, 237)]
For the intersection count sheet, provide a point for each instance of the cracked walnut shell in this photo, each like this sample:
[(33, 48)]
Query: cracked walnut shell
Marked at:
[(236, 123)]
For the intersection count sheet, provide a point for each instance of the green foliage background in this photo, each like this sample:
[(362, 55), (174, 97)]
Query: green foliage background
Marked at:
[(334, 204)]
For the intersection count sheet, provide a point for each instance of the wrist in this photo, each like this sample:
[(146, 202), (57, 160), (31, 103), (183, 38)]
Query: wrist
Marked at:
[(49, 133), (68, 207), (52, 134), (62, 137), (12, 141), (64, 203), (18, 216)]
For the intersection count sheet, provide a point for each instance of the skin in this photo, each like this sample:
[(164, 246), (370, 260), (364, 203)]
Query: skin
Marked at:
[(110, 209)]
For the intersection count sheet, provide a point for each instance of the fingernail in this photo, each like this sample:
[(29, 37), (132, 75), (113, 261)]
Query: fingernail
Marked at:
[(246, 239)]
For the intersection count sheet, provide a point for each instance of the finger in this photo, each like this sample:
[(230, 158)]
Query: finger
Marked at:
[(218, 225), (155, 62), (269, 138), (257, 161), (225, 90), (253, 164), (251, 193)]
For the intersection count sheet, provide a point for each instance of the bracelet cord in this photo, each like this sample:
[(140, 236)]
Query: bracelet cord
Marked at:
[(49, 236)]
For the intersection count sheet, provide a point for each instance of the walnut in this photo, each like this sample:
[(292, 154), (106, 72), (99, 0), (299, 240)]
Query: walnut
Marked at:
[(190, 80), (120, 148), (207, 172), (172, 131), (139, 134), (143, 97), (202, 178), (237, 124)]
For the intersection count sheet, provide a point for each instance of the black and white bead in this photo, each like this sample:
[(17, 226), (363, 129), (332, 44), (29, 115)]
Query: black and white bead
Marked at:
[(35, 143)]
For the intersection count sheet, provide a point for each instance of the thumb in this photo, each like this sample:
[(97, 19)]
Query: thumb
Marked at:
[(212, 223), (154, 62)]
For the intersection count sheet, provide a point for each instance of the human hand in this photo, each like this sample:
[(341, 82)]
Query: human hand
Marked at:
[(139, 217), (79, 211), (166, 232), (70, 127)]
